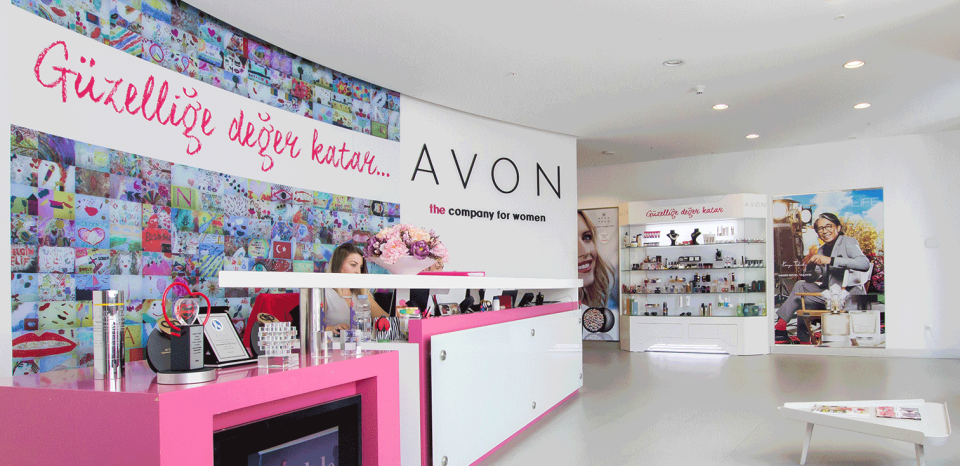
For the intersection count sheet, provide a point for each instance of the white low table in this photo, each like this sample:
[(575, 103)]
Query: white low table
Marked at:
[(932, 429)]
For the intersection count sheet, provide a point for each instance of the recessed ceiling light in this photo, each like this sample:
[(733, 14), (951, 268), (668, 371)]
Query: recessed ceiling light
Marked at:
[(853, 64), (720, 106), (861, 105), (752, 136), (675, 62), (608, 152)]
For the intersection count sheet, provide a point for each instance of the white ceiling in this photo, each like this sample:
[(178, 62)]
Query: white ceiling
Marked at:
[(593, 69)]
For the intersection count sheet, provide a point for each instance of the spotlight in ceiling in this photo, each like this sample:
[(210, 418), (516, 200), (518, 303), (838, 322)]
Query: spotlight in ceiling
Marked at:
[(854, 64), (861, 105), (675, 62), (752, 136), (720, 106)]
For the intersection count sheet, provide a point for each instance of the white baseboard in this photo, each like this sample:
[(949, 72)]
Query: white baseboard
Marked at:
[(866, 352)]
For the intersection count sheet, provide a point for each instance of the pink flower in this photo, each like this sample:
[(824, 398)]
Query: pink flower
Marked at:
[(392, 250), (440, 251), (393, 242)]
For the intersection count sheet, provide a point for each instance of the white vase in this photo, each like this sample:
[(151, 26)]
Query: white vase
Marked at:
[(405, 265)]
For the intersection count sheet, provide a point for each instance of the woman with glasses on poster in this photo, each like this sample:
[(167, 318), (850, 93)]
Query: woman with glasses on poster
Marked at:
[(838, 254)]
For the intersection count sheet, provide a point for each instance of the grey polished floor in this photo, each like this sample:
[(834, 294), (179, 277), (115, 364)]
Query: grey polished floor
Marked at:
[(705, 410)]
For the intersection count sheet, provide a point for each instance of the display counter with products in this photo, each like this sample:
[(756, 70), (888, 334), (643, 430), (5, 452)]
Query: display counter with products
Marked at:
[(471, 364), (77, 419)]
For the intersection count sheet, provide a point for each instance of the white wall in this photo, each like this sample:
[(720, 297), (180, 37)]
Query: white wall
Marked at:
[(6, 330), (500, 247), (920, 175), (510, 248)]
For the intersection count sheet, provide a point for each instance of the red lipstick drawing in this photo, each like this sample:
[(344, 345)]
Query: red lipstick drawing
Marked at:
[(31, 345)]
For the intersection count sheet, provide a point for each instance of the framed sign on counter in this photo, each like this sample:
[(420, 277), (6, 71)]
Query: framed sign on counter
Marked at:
[(223, 343)]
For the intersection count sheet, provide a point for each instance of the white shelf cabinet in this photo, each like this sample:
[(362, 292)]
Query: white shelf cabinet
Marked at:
[(738, 336), (704, 297)]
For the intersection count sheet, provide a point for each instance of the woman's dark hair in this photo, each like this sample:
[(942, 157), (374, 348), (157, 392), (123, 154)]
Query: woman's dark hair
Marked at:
[(832, 218), (340, 255)]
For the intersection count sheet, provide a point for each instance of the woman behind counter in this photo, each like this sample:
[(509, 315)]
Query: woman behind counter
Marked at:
[(347, 258)]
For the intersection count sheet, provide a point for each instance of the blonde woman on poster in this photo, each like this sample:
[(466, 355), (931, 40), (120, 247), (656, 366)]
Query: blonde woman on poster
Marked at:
[(598, 296), (596, 274)]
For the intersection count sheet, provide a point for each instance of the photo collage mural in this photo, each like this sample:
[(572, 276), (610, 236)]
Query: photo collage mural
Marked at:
[(183, 39), (85, 217)]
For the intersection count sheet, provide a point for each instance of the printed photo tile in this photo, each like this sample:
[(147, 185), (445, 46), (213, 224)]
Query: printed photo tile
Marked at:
[(91, 260), (26, 317), (126, 188), (93, 209), (57, 149), (159, 171), (92, 157), (56, 232), (56, 259), (93, 183), (155, 193), (58, 314), (124, 163), (23, 141), (23, 170), (24, 258), (23, 229), (55, 204), (92, 235)]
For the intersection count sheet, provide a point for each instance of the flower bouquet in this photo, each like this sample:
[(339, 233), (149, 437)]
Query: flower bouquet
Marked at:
[(405, 249)]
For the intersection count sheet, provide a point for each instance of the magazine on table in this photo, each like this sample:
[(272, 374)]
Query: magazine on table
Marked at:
[(891, 412), (848, 410)]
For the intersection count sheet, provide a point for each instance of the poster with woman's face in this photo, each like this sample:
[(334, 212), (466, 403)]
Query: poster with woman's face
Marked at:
[(829, 254), (598, 265)]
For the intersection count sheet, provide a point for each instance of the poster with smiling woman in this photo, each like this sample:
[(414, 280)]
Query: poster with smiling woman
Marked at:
[(598, 265), (828, 269)]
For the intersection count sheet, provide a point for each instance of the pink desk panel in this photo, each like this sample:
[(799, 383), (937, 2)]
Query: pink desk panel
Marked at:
[(422, 330), (70, 418)]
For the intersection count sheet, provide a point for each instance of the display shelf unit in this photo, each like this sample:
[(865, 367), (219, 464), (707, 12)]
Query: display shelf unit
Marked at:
[(723, 275), (556, 350), (675, 293), (691, 245), (689, 268)]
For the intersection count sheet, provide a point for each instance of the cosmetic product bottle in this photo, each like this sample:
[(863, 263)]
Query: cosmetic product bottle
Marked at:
[(664, 308), (710, 310)]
